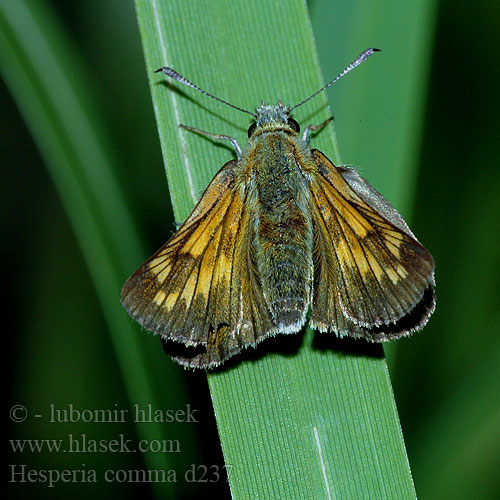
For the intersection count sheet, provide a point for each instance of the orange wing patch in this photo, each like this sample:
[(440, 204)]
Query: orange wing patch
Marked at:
[(371, 274), (199, 289)]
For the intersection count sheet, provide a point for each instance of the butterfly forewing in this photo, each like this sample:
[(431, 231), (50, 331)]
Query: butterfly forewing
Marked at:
[(370, 272), (199, 288)]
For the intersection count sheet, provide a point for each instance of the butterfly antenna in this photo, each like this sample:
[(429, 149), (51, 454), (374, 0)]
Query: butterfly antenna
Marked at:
[(360, 59), (173, 74)]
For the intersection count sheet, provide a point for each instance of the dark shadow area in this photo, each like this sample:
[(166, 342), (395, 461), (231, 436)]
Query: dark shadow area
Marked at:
[(282, 344), (285, 345), (347, 346)]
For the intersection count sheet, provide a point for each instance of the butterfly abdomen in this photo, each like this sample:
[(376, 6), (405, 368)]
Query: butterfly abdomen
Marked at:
[(283, 237)]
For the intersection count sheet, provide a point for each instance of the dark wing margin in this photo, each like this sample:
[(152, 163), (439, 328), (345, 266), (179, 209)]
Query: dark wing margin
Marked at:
[(372, 278), (200, 289)]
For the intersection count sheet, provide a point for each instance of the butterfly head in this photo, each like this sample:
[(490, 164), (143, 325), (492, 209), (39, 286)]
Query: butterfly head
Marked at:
[(269, 117)]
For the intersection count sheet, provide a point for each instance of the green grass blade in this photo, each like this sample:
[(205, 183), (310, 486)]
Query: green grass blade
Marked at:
[(316, 422), (50, 87)]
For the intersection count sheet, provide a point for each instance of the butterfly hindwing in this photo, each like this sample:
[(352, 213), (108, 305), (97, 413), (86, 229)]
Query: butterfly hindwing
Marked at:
[(372, 277), (200, 288)]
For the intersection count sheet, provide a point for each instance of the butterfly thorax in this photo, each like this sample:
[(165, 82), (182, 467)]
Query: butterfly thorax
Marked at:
[(274, 159)]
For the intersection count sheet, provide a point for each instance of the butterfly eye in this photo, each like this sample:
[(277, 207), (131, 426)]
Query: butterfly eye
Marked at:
[(294, 124), (251, 129)]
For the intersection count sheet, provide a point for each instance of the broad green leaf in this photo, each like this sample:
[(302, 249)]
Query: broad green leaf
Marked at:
[(311, 423)]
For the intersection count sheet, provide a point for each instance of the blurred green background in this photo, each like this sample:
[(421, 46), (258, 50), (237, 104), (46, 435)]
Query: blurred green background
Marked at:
[(445, 379)]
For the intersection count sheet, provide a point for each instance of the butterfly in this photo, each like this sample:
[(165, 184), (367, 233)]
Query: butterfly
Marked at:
[(280, 232)]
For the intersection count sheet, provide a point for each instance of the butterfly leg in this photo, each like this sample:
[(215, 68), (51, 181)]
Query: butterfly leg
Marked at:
[(309, 128), (217, 137)]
